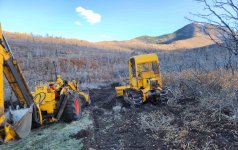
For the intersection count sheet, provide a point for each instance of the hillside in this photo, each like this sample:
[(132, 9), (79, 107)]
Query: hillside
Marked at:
[(187, 32), (94, 63), (89, 62), (201, 113), (193, 35)]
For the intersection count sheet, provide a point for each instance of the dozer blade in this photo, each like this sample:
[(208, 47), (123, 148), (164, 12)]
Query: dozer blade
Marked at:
[(22, 119)]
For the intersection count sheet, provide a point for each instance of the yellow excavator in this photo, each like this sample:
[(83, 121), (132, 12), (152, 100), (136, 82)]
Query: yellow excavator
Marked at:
[(145, 83), (50, 102)]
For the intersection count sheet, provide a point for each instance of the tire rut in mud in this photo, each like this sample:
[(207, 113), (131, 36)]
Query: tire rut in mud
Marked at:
[(116, 125)]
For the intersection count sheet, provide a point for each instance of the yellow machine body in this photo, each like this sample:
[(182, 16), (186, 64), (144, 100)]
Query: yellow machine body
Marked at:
[(144, 77), (46, 96), (46, 104)]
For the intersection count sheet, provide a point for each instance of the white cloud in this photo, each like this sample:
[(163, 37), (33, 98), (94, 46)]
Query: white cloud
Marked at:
[(89, 15), (78, 23)]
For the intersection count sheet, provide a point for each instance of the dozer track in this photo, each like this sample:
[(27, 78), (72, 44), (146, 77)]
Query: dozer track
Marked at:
[(134, 98)]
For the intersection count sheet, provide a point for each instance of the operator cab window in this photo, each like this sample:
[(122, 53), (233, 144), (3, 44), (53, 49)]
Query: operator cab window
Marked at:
[(143, 67), (133, 69), (155, 67)]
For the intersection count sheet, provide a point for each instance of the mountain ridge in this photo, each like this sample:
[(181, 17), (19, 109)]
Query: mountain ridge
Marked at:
[(191, 36), (188, 31)]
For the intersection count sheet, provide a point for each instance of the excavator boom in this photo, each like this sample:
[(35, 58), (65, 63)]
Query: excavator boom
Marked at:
[(16, 79), (21, 118)]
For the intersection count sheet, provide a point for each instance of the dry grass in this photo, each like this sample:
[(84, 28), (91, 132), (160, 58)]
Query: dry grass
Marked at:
[(214, 90), (203, 111), (202, 114)]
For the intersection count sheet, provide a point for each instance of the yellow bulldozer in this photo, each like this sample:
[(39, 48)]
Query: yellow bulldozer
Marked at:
[(50, 102), (145, 83)]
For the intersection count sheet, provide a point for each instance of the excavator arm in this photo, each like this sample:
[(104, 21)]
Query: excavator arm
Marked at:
[(21, 118), (82, 95), (15, 77)]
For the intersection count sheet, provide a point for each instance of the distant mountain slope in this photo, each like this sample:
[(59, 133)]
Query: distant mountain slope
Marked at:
[(103, 61), (191, 36), (187, 32)]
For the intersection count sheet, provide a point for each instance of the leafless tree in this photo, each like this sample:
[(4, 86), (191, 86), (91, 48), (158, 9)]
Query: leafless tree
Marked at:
[(223, 15)]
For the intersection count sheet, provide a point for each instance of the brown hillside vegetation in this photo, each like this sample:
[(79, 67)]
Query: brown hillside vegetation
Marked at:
[(107, 61), (191, 36), (201, 113)]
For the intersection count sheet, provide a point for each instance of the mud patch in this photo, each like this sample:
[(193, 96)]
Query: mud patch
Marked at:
[(182, 126), (110, 123), (81, 134)]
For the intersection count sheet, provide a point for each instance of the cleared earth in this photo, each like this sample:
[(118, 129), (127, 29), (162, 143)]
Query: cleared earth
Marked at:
[(110, 123)]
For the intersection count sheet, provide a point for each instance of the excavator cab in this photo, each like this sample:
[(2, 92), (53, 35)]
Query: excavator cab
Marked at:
[(14, 122)]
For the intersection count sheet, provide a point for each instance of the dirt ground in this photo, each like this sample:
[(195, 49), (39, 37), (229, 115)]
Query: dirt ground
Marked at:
[(181, 126), (110, 123)]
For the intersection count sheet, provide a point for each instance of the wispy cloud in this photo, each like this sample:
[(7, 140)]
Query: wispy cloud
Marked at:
[(78, 23), (89, 15)]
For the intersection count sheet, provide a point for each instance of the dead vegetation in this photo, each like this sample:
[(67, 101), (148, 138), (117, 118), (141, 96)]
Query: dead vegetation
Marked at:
[(202, 113)]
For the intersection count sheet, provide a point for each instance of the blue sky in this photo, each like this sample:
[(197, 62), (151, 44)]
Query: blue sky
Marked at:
[(95, 20)]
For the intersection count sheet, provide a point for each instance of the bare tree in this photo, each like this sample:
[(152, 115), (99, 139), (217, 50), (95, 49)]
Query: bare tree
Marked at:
[(222, 16)]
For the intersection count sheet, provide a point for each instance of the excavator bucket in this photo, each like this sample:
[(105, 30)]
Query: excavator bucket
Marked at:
[(22, 121)]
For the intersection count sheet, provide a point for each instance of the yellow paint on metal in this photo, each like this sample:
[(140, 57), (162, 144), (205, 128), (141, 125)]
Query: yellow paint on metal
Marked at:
[(40, 114), (45, 99), (2, 120), (1, 38), (1, 86), (119, 89), (9, 133), (146, 58), (143, 69), (74, 86), (45, 95)]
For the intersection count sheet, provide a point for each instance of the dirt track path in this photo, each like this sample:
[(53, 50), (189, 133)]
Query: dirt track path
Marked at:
[(110, 123), (116, 125)]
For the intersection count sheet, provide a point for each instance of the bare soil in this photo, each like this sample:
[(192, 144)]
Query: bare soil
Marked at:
[(110, 123), (118, 126)]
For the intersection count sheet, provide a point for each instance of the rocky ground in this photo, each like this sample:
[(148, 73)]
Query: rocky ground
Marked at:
[(110, 123)]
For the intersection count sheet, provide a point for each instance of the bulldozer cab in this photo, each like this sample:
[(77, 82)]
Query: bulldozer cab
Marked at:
[(145, 82), (142, 69)]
